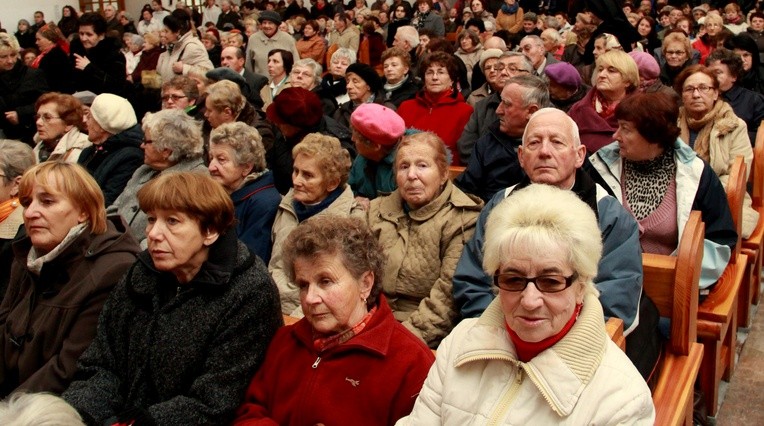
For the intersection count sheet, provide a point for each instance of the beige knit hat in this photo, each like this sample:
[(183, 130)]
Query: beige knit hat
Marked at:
[(113, 113)]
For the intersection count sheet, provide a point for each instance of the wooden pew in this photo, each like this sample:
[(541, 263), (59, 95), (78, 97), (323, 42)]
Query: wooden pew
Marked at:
[(289, 320), (754, 245), (717, 315), (672, 284), (614, 327), (454, 171)]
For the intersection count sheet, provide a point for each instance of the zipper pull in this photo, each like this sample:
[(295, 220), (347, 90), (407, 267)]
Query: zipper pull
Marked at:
[(519, 375), (315, 364)]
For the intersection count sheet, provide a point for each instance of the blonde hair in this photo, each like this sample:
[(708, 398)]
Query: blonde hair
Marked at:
[(38, 409), (623, 63), (333, 159), (226, 94)]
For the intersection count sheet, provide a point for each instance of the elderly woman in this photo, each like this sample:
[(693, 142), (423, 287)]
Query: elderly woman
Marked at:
[(440, 107), (752, 75), (15, 158), (312, 45), (24, 34), (423, 226), (99, 65), (649, 73), (20, 86), (706, 43), (660, 179), (53, 59), (510, 17), (479, 12), (399, 83), (677, 53), (147, 24), (237, 161), (225, 103), (333, 86), (709, 125), (615, 76), (279, 66), (319, 179), (59, 118), (363, 86), (149, 57), (540, 352), (62, 272), (346, 324), (189, 323), (306, 73), (172, 142), (68, 22), (184, 52), (469, 50)]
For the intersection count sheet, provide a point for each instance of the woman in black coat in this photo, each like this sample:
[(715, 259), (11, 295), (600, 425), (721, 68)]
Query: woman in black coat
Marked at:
[(52, 60), (99, 65)]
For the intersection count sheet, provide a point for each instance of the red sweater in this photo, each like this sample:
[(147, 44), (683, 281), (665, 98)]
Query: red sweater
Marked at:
[(372, 379), (445, 116)]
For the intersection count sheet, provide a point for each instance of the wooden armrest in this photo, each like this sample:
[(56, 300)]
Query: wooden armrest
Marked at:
[(454, 171), (614, 327), (718, 305), (673, 395), (289, 320)]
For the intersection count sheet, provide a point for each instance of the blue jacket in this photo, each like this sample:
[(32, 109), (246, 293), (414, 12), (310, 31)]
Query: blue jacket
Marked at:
[(371, 187), (256, 204), (620, 270), (748, 105), (697, 188)]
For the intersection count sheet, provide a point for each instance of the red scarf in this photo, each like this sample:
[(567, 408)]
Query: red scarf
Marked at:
[(608, 107), (526, 351), (322, 344)]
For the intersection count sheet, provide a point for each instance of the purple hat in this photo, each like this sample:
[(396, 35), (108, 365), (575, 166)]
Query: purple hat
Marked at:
[(378, 123), (297, 107), (647, 65), (564, 74)]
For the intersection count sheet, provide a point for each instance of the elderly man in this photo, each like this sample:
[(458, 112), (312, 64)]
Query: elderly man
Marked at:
[(210, 12), (228, 18), (498, 71), (493, 163), (407, 38), (533, 49), (552, 154), (344, 34), (266, 39), (233, 58), (113, 27)]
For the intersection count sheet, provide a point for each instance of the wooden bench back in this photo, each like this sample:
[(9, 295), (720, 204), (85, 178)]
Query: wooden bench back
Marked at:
[(757, 174), (736, 186)]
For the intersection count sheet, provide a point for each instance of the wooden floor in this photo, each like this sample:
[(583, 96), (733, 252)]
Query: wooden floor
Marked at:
[(743, 402)]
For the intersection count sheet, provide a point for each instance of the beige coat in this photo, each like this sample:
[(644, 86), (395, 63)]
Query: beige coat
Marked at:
[(267, 95), (422, 248), (194, 57), (68, 148), (285, 222), (349, 38), (511, 23)]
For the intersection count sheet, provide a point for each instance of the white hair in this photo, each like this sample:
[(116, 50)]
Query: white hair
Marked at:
[(564, 117), (38, 409), (539, 217), (409, 34)]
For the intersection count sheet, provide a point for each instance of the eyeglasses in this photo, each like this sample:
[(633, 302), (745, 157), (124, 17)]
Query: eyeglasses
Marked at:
[(703, 89), (175, 98), (147, 141), (46, 118), (544, 283), (675, 53)]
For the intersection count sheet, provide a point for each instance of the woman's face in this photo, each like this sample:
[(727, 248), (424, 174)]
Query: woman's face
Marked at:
[(424, 39), (477, 7), (684, 25), (599, 47), (146, 15), (50, 126), (509, 2), (176, 243), (276, 67), (746, 57), (644, 28), (224, 168), (303, 76), (308, 31), (88, 37), (8, 59), (400, 12), (66, 12), (208, 44), (698, 94), (157, 159), (534, 315), (417, 174), (332, 299), (49, 214), (215, 116), (167, 36), (338, 66), (310, 183), (466, 44), (610, 81), (436, 79), (395, 70), (358, 90), (675, 54), (23, 26), (713, 28), (632, 145)]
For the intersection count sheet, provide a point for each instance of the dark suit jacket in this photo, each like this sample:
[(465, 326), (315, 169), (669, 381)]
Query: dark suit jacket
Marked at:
[(255, 82)]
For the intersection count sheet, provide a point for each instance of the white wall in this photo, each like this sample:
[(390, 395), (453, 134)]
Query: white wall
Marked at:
[(25, 9)]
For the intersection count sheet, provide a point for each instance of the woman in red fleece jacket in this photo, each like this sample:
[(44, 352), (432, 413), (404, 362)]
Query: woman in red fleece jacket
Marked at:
[(439, 108), (348, 361)]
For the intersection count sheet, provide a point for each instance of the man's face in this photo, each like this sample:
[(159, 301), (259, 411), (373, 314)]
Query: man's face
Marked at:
[(39, 18), (512, 114), (108, 12), (228, 59), (674, 16), (529, 26), (533, 51), (339, 23), (399, 41), (548, 154), (723, 75), (511, 66)]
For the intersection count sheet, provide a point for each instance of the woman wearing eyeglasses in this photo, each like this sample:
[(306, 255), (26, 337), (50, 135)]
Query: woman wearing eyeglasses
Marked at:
[(58, 120), (659, 179), (539, 353), (676, 53)]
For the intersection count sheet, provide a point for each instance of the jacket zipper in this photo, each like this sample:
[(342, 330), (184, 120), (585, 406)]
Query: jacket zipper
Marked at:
[(506, 400), (315, 364), (543, 389)]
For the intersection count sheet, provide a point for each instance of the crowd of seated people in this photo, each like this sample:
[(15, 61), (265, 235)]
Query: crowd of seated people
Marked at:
[(174, 187)]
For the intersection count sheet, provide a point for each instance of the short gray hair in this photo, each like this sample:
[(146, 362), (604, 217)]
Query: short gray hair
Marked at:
[(313, 65), (344, 53), (535, 39), (525, 64), (536, 90), (177, 131), (136, 40), (246, 142), (410, 34), (15, 158), (38, 409)]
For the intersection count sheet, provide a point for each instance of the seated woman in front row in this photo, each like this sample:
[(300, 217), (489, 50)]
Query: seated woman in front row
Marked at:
[(540, 353), (659, 179), (348, 361)]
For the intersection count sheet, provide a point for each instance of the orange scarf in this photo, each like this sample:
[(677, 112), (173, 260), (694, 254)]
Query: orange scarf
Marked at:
[(7, 207)]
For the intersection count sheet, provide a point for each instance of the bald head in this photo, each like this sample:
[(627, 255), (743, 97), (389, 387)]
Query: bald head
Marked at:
[(495, 43)]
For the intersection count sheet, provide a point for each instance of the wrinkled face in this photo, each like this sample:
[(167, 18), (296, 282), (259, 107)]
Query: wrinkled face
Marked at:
[(436, 79), (757, 24), (683, 25), (674, 16), (108, 12), (168, 36), (534, 315), (534, 52), (476, 7), (339, 24), (548, 154), (358, 90), (512, 114), (228, 58), (632, 145), (713, 28), (332, 299), (550, 44), (42, 43), (8, 59), (400, 41), (492, 70), (208, 44), (697, 15), (96, 134), (675, 54), (153, 157), (49, 214), (512, 67), (746, 57), (610, 81), (309, 182), (173, 98), (276, 67), (466, 44), (423, 40), (417, 174), (338, 66), (9, 188), (49, 124), (723, 75), (23, 27), (395, 70), (88, 37), (699, 94), (176, 242), (303, 77), (268, 28), (217, 117), (224, 168), (599, 47), (644, 28)]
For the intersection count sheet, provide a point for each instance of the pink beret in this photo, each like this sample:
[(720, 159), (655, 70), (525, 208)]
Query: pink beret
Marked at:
[(378, 123)]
